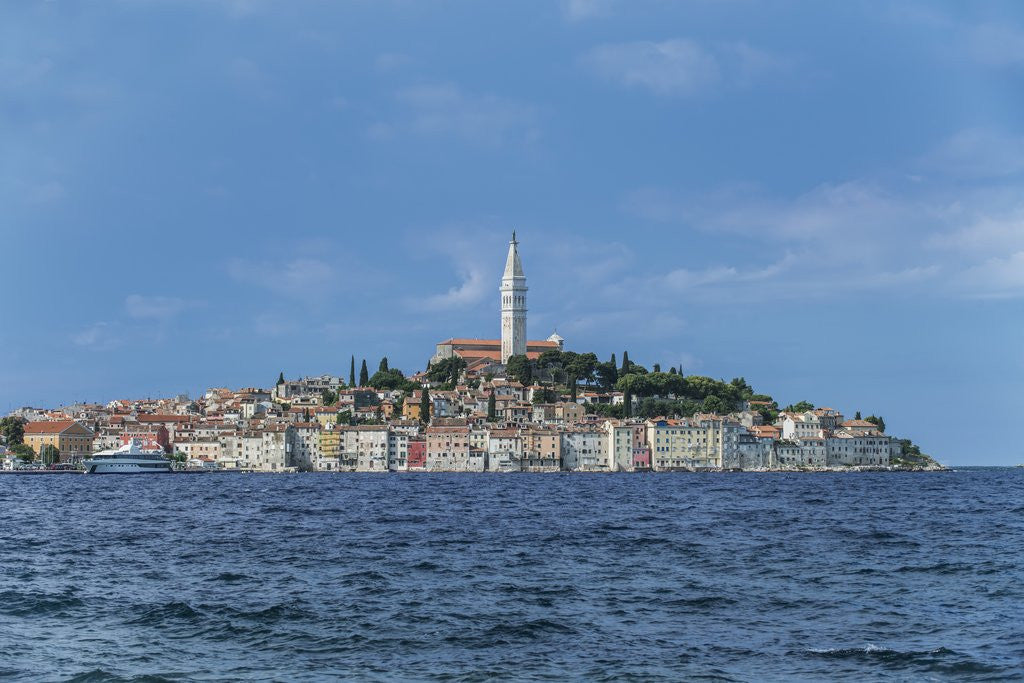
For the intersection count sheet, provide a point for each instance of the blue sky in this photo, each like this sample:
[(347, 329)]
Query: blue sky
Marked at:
[(824, 198)]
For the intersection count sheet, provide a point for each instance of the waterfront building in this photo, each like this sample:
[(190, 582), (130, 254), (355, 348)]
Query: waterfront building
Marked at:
[(627, 446), (542, 449), (504, 450), (371, 448), (306, 451), (447, 448), (417, 458), (585, 449), (277, 443), (850, 447), (398, 450), (799, 425), (72, 439)]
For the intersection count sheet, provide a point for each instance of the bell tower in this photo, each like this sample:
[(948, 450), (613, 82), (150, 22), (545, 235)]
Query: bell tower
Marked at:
[(513, 304)]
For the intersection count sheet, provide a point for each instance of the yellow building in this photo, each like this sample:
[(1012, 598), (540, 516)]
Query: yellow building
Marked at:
[(71, 438), (411, 407)]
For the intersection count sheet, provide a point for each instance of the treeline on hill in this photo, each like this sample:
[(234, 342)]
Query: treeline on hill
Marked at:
[(657, 392)]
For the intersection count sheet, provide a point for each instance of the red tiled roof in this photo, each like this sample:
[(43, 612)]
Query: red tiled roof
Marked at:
[(50, 427)]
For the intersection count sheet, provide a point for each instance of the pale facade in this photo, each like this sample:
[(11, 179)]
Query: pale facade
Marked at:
[(513, 305)]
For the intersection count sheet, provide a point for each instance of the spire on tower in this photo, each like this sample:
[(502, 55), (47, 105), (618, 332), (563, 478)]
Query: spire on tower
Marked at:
[(513, 266)]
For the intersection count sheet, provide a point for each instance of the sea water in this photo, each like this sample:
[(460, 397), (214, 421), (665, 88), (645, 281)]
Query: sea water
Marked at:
[(746, 577)]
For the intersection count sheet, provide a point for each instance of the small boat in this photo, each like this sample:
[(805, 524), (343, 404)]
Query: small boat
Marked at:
[(135, 457)]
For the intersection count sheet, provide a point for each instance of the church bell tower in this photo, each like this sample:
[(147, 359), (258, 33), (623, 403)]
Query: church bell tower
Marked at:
[(513, 304)]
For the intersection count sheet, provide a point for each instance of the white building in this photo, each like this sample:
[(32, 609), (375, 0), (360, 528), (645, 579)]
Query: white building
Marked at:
[(513, 304), (585, 449)]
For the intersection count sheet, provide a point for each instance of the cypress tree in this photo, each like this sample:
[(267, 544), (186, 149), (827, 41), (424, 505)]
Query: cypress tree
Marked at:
[(572, 391), (352, 372), (857, 416), (625, 364), (364, 374), (425, 406), (492, 407), (627, 403), (280, 379), (383, 367), (657, 367)]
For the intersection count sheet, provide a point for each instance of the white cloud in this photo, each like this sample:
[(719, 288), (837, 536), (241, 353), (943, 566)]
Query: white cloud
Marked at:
[(472, 290), (303, 277), (996, 44), (154, 307), (977, 152), (848, 237), (446, 110), (986, 234), (995, 278), (682, 67), (99, 336), (672, 67), (391, 61), (579, 10)]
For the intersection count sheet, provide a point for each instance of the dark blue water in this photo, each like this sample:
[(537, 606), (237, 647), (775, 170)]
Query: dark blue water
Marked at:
[(470, 577)]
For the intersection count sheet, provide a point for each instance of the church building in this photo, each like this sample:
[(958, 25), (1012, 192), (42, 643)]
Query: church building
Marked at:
[(481, 352)]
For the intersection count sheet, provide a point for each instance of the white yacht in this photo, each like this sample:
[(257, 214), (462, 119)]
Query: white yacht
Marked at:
[(135, 457)]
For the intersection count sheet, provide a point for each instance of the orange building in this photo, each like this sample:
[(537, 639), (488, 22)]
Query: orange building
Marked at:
[(71, 438)]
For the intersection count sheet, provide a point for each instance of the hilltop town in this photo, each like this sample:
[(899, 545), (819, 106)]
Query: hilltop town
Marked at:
[(481, 405)]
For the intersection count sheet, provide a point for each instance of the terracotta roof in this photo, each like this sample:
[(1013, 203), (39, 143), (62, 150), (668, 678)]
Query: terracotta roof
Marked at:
[(50, 427), (146, 417)]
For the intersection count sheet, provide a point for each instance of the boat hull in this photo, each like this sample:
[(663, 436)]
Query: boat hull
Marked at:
[(146, 467)]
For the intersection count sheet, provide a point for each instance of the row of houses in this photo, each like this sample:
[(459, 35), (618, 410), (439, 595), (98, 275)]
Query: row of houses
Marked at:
[(704, 442), (370, 430)]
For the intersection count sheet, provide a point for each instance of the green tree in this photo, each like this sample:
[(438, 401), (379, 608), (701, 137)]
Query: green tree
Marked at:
[(714, 404), (607, 374), (743, 390), (627, 403), (801, 407), (383, 367), (856, 416), (637, 385), (391, 380), (352, 372), (49, 454), (328, 397), (573, 389), (13, 430), (447, 371), (656, 367), (625, 364), (344, 417), (519, 368), (425, 406), (877, 421), (581, 366), (492, 407), (24, 452), (280, 379), (364, 374)]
